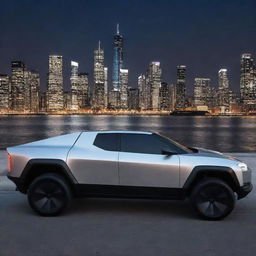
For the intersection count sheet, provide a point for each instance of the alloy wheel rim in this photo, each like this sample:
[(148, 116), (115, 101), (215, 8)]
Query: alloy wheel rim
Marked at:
[(48, 197), (213, 201)]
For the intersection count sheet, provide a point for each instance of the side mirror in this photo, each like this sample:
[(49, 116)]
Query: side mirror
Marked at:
[(168, 153)]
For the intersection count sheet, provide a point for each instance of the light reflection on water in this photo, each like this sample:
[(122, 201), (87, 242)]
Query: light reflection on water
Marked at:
[(227, 134)]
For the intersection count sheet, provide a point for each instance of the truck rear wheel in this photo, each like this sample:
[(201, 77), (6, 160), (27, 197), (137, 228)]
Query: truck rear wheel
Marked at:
[(213, 199), (49, 194)]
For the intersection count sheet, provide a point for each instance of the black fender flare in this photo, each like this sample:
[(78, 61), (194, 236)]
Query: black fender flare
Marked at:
[(63, 169), (212, 170)]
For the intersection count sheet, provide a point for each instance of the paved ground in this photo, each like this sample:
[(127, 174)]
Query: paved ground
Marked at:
[(126, 227)]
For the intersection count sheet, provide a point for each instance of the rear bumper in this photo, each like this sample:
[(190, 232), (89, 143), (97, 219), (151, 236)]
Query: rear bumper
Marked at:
[(19, 182), (244, 190)]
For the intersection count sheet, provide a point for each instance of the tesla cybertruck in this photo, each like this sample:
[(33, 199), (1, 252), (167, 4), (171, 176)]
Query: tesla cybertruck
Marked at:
[(126, 164)]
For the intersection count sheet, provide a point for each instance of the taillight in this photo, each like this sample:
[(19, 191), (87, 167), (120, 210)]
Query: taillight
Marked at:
[(9, 162)]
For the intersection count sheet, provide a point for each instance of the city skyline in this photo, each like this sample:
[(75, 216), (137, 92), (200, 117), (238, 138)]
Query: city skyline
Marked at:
[(205, 36), (21, 92), (67, 85)]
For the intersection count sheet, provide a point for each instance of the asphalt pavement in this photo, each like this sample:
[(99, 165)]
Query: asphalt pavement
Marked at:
[(124, 227)]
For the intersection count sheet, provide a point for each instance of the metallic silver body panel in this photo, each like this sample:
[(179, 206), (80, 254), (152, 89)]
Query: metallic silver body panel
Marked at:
[(189, 161), (52, 148), (92, 165), (148, 170)]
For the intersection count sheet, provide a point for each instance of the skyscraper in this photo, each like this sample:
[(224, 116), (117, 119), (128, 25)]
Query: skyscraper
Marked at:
[(18, 86), (223, 89), (133, 98), (83, 91), (154, 82), (34, 91), (248, 82), (181, 87), (165, 96), (4, 93), (172, 96), (106, 87), (223, 79), (144, 93), (99, 79), (114, 99), (201, 91), (123, 88), (118, 59), (27, 89), (55, 84), (74, 79)]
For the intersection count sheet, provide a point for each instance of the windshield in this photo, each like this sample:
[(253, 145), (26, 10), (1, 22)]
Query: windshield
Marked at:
[(179, 148)]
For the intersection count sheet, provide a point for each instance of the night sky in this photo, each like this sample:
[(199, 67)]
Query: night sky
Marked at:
[(205, 35)]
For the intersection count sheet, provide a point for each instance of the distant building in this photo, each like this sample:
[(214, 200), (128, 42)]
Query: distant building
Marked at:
[(43, 102), (123, 88), (165, 96), (75, 84), (67, 100), (133, 98), (27, 93), (24, 89), (172, 96), (99, 79), (4, 93), (144, 93), (83, 94), (114, 99), (118, 60), (153, 81), (223, 90), (248, 82), (212, 98), (181, 87), (34, 91), (55, 84), (201, 91), (105, 87), (18, 86)]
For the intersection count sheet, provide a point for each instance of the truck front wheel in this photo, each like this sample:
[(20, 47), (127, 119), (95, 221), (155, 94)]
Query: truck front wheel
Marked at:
[(213, 199)]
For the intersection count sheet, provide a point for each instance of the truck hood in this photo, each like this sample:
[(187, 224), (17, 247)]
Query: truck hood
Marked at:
[(210, 153)]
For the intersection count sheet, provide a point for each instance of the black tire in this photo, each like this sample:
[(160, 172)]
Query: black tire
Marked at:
[(213, 199), (49, 194)]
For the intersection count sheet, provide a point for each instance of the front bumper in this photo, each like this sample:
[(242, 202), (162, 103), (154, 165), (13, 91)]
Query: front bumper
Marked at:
[(244, 190)]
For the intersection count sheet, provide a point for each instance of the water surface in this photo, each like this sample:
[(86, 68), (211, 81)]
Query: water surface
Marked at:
[(227, 134)]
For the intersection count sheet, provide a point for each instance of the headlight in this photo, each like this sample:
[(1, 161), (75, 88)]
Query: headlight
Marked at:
[(243, 166)]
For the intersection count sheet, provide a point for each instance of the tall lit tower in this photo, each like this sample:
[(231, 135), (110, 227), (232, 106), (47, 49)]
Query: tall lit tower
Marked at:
[(18, 86), (247, 81), (99, 79), (55, 84), (223, 79), (106, 87), (223, 88), (153, 81), (34, 91), (144, 93), (4, 92), (181, 87), (83, 91), (118, 59), (124, 88), (74, 79), (201, 91)]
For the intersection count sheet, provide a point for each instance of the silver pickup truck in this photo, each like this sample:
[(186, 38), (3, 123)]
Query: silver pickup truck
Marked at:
[(127, 164)]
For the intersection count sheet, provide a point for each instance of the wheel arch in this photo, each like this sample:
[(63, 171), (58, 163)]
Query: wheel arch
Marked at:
[(37, 167), (221, 172)]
